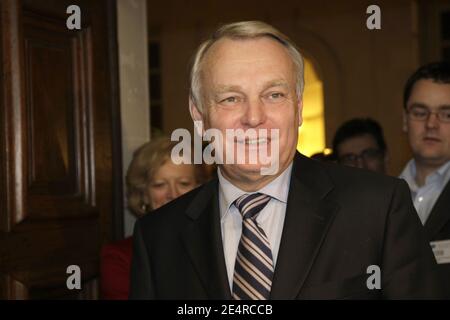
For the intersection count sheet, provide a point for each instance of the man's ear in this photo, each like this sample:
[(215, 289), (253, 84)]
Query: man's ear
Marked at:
[(196, 116), (300, 110), (405, 120)]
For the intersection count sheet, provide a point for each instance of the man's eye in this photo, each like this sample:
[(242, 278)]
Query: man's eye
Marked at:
[(348, 157), (419, 113), (230, 100), (445, 114), (276, 96)]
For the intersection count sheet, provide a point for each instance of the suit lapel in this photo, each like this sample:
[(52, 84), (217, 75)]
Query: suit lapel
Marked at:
[(308, 217), (440, 214), (203, 241)]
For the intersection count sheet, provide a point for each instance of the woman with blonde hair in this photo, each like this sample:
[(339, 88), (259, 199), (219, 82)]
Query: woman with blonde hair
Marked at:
[(152, 180)]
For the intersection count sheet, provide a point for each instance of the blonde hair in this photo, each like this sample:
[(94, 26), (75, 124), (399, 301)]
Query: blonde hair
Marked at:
[(241, 31), (147, 159)]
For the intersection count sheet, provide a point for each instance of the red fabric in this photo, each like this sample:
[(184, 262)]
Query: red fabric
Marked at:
[(115, 269)]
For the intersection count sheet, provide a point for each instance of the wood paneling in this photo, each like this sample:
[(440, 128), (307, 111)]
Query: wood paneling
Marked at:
[(12, 115), (59, 121), (60, 157)]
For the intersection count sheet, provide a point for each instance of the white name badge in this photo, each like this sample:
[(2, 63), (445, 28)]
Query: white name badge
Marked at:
[(441, 250)]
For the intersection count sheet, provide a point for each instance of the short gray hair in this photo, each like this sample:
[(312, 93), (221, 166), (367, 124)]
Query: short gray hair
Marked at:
[(242, 30)]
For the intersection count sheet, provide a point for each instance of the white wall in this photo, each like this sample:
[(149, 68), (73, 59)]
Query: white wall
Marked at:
[(133, 73)]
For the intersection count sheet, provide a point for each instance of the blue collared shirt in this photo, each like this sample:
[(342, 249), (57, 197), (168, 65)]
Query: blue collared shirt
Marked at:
[(425, 197), (270, 219)]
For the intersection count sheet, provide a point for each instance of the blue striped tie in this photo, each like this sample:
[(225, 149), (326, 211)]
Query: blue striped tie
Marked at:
[(253, 270)]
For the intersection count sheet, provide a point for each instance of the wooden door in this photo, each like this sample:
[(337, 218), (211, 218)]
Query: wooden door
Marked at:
[(59, 146)]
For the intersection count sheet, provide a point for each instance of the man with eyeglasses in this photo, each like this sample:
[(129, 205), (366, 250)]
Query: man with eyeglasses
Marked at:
[(427, 124), (360, 143)]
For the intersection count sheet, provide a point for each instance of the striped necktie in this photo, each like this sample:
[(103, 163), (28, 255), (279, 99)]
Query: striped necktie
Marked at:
[(253, 270)]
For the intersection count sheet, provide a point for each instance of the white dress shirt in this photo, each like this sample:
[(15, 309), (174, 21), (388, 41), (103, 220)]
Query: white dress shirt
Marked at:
[(425, 197), (270, 219)]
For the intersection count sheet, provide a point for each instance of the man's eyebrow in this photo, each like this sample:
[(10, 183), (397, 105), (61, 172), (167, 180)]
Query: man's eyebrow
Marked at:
[(418, 105), (276, 83), (226, 88), (229, 88), (421, 105)]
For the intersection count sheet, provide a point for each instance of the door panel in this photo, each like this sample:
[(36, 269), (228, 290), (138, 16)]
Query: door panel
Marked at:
[(59, 120), (60, 152)]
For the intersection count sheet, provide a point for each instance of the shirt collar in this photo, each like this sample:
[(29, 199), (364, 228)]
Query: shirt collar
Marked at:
[(444, 173), (277, 189), (444, 170), (409, 174)]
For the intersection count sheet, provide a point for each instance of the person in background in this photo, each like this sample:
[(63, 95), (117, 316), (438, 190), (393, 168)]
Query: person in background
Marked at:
[(360, 143), (427, 124), (152, 181)]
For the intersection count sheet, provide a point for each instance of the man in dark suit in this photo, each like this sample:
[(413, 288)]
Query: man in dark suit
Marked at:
[(305, 230), (427, 123)]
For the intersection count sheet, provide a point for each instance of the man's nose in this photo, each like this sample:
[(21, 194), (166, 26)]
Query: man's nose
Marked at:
[(432, 121), (255, 113), (360, 163)]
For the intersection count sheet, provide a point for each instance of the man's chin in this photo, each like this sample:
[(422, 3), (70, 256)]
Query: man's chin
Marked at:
[(253, 169), (250, 169), (434, 157)]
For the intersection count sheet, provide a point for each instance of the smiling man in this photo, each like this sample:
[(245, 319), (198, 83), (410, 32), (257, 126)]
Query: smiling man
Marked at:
[(310, 230), (427, 123), (251, 85)]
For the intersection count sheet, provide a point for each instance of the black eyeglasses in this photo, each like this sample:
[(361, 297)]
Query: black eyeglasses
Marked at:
[(419, 113), (367, 155)]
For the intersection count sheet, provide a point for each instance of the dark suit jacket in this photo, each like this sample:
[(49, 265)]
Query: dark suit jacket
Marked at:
[(338, 222), (437, 228)]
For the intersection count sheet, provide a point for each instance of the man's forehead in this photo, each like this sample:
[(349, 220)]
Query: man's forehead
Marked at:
[(228, 60), (218, 87), (360, 141), (430, 93), (426, 86), (241, 49)]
